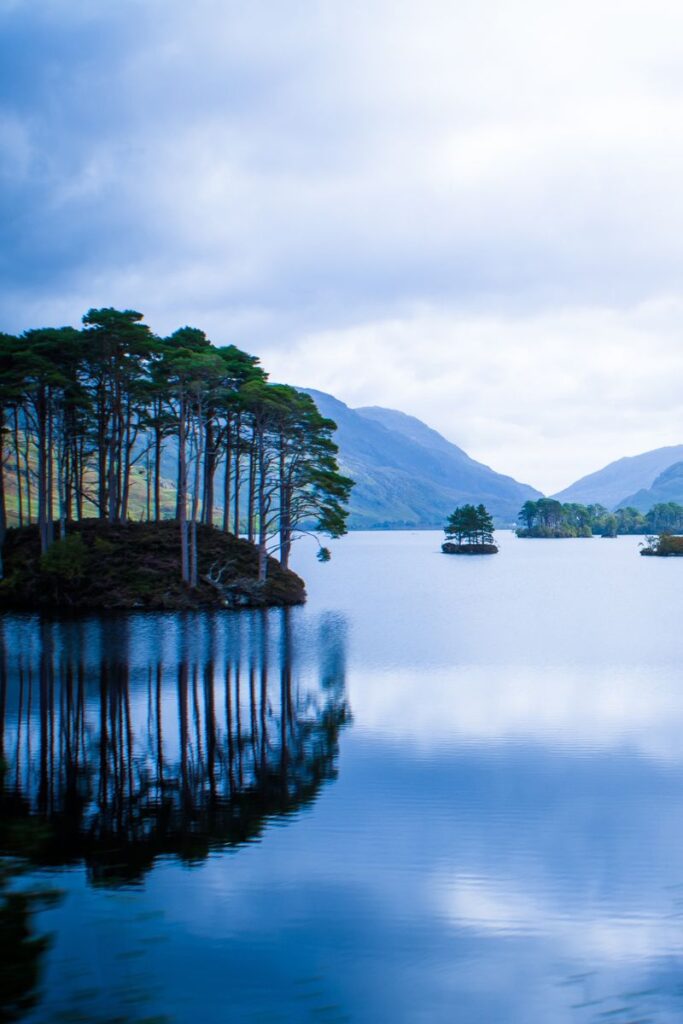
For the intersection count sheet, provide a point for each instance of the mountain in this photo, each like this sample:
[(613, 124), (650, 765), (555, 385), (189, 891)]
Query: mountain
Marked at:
[(667, 487), (410, 427), (409, 475), (611, 485)]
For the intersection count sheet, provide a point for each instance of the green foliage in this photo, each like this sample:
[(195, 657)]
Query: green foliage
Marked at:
[(470, 525), (665, 517), (549, 518), (610, 526), (66, 560)]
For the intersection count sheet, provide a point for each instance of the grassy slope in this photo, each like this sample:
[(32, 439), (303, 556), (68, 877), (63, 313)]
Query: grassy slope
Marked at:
[(137, 508)]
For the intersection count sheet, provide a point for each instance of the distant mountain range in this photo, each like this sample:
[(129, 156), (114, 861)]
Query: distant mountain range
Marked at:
[(630, 481), (668, 486), (408, 475)]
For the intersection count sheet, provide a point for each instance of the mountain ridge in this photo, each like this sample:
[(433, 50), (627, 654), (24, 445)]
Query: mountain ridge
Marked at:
[(612, 484), (668, 486), (407, 474)]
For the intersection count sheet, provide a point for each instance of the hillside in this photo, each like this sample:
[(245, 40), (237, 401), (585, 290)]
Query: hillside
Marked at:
[(667, 487), (612, 485), (408, 475)]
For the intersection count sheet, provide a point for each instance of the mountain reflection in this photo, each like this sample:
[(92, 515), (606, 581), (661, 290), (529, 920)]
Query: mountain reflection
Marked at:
[(124, 740)]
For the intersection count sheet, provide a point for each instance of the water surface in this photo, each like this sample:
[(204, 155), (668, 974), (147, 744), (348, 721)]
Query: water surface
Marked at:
[(445, 789)]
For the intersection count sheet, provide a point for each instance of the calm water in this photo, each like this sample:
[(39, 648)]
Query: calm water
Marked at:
[(447, 789)]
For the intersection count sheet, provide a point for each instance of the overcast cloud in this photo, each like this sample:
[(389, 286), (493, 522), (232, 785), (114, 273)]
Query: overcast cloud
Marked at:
[(466, 210)]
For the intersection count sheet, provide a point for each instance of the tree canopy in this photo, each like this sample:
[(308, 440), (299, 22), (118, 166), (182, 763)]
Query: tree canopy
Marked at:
[(548, 517), (469, 524)]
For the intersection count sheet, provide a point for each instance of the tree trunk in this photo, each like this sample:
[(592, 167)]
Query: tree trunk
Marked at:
[(148, 487), (111, 472), (50, 474), (42, 473), (237, 476), (62, 469), (178, 488), (209, 474), (262, 513), (101, 452), (285, 509), (15, 433), (226, 479), (3, 506), (251, 499), (68, 481), (128, 443), (80, 476), (157, 473), (182, 497), (26, 454), (199, 434)]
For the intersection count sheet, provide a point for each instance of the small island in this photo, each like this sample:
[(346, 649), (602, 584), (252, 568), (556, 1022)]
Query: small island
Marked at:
[(469, 531), (666, 545)]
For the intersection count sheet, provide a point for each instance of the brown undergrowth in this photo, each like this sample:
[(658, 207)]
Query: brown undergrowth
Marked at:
[(102, 566)]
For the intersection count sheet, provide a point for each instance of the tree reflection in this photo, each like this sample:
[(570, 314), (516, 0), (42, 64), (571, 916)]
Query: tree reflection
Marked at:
[(171, 741)]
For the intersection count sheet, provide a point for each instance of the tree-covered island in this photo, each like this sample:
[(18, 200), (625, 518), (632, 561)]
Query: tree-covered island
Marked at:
[(139, 471), (549, 518), (469, 531), (663, 546)]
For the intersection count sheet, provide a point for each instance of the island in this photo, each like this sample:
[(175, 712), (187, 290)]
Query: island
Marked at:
[(469, 531), (666, 545), (159, 473), (550, 518)]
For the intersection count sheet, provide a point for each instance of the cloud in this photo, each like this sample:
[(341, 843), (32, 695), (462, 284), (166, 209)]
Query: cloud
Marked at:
[(282, 175), (528, 392)]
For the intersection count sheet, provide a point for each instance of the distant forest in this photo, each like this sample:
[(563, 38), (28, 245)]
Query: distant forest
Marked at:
[(88, 416), (550, 518)]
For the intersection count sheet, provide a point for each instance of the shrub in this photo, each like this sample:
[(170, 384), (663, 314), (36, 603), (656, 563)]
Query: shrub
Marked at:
[(66, 559), (103, 547), (670, 545)]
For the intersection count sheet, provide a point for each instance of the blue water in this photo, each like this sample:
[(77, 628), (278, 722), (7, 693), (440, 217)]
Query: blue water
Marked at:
[(446, 789)]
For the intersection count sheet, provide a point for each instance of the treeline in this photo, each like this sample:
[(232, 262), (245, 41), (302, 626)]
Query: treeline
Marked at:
[(550, 518), (87, 414)]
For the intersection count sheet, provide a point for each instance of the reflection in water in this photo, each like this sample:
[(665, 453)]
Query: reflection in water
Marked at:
[(133, 738), (21, 950)]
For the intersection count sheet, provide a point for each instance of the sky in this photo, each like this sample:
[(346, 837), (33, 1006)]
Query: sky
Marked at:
[(468, 210)]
